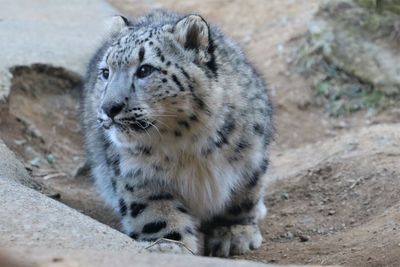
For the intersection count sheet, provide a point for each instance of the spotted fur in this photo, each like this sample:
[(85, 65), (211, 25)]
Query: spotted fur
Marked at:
[(177, 125)]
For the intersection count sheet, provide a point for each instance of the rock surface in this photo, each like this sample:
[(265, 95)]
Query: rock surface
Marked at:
[(49, 32), (357, 41), (29, 219), (90, 258), (39, 231)]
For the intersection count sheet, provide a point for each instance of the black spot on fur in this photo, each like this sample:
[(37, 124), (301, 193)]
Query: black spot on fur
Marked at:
[(161, 196), (114, 162), (235, 210), (134, 235), (134, 173), (116, 168), (253, 181), (129, 188), (222, 140), (137, 208), (177, 82), (141, 54), (184, 124), (157, 168), (114, 184), (122, 207), (141, 150), (189, 231), (264, 166), (258, 129), (177, 133), (247, 205), (182, 209), (158, 52), (210, 148), (193, 118), (173, 236), (229, 124), (255, 176), (154, 227), (183, 71), (162, 58), (200, 103), (212, 64), (168, 63), (145, 150), (164, 80), (242, 145)]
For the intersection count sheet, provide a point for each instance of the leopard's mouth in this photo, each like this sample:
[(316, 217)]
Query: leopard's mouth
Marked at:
[(134, 125), (139, 125), (124, 124)]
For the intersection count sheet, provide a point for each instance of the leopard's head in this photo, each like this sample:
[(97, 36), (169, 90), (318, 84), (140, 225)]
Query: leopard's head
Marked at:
[(153, 79)]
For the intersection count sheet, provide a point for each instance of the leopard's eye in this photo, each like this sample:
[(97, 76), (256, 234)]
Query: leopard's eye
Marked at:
[(144, 71), (105, 73)]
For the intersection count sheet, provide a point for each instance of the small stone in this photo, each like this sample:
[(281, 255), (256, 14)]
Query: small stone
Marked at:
[(35, 162), (289, 235), (20, 142), (58, 259), (331, 212), (50, 158), (284, 196), (304, 238)]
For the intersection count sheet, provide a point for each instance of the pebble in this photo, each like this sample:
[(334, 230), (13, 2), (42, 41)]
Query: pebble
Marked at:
[(304, 238), (288, 235)]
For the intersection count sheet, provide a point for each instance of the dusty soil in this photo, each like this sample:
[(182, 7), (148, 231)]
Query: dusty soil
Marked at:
[(334, 192)]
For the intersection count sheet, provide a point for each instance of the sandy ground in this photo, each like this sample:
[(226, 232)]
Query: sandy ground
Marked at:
[(334, 194)]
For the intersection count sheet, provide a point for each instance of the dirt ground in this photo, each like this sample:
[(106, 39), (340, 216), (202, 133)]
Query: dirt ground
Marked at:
[(334, 184)]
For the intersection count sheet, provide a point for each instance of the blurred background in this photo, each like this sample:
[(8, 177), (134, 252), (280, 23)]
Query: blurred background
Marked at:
[(333, 69)]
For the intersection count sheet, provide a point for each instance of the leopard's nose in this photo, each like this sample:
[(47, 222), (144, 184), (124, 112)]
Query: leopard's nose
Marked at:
[(112, 109)]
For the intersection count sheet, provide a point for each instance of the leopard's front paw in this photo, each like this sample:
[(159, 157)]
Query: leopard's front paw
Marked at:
[(233, 240)]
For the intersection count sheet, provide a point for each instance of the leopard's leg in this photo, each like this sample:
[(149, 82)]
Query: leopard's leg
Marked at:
[(236, 230), (155, 216)]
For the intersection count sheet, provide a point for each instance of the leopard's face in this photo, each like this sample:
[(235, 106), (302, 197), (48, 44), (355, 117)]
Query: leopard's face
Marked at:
[(150, 84)]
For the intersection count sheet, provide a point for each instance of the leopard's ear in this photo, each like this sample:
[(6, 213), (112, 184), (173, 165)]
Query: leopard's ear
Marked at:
[(117, 24), (192, 32)]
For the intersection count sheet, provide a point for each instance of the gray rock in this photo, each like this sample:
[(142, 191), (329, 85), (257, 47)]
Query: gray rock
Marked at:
[(30, 219), (61, 33), (341, 31), (43, 232), (90, 258)]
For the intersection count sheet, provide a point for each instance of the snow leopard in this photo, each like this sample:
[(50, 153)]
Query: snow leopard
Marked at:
[(177, 125)]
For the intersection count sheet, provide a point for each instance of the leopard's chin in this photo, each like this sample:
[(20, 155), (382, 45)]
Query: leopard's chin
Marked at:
[(127, 136)]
